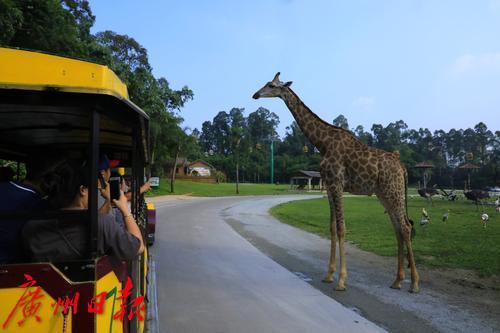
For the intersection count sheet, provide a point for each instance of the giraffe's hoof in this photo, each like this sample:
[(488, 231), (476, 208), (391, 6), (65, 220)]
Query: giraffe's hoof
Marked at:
[(340, 288), (414, 290), (396, 285), (327, 280)]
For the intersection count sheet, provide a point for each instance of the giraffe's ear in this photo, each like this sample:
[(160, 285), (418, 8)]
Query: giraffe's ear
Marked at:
[(288, 84)]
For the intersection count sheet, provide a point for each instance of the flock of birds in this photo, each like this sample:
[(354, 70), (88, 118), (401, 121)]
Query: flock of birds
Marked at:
[(425, 220)]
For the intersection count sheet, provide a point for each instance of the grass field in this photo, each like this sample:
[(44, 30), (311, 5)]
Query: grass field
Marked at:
[(461, 242), (225, 189), (218, 190)]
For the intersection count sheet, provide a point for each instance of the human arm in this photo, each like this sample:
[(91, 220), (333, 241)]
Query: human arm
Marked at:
[(129, 220), (144, 188)]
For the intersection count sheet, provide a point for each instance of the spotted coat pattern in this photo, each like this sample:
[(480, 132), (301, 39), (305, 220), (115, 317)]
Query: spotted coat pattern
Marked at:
[(350, 165)]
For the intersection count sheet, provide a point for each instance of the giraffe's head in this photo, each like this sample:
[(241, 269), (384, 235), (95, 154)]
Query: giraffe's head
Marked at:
[(272, 88)]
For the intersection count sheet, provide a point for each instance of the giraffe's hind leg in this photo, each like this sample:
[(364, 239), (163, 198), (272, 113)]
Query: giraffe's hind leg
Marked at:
[(331, 263), (400, 275), (398, 219), (414, 288)]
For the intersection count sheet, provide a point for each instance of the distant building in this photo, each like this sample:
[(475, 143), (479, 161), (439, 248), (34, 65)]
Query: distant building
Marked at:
[(306, 180), (200, 168), (197, 171), (182, 164)]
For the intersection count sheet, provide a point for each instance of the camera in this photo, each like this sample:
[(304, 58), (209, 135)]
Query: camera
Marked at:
[(114, 188)]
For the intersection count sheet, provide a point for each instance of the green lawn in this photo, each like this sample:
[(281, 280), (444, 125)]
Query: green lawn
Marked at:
[(462, 242), (218, 190), (227, 189)]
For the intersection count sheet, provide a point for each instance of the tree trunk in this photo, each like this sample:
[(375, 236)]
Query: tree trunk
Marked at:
[(172, 176)]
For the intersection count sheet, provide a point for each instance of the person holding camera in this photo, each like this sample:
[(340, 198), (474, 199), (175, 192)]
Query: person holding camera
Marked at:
[(66, 187)]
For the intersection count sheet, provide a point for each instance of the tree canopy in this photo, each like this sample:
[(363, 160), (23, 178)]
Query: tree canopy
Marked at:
[(63, 27), (445, 150)]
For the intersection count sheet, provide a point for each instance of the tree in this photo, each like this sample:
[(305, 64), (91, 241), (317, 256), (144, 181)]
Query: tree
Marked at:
[(262, 124), (295, 153), (238, 139), (341, 122), (221, 125), (129, 60), (484, 138), (389, 138), (11, 20), (185, 144), (363, 136), (55, 26), (454, 144), (63, 27), (207, 137)]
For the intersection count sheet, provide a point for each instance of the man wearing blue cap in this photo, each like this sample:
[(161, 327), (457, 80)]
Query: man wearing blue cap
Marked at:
[(104, 200)]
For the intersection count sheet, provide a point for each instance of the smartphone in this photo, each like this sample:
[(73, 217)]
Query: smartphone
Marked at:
[(114, 188), (101, 181)]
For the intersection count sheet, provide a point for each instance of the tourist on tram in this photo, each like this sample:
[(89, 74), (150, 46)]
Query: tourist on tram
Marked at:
[(104, 168), (62, 240), (19, 197)]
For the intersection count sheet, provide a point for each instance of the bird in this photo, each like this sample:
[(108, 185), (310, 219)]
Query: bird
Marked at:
[(446, 215), (484, 219), (425, 215), (424, 221)]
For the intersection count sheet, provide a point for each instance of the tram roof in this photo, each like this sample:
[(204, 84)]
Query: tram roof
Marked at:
[(47, 99), (29, 70)]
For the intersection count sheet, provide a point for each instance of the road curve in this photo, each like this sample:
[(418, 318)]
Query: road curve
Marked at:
[(211, 279)]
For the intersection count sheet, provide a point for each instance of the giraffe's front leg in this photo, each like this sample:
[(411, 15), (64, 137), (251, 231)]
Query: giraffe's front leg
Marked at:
[(400, 275), (343, 270), (333, 242)]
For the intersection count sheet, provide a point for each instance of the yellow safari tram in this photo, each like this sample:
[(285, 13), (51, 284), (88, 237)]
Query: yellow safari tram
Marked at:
[(55, 104)]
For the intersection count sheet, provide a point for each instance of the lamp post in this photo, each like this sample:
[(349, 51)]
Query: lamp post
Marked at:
[(238, 165), (272, 161), (271, 150)]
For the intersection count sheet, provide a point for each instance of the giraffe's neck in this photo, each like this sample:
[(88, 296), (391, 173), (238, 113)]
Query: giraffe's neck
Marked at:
[(311, 125)]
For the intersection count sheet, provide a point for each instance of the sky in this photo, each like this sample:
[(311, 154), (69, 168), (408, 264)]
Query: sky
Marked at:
[(434, 64)]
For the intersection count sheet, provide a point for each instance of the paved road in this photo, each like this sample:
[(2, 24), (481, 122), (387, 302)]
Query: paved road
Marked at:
[(211, 279)]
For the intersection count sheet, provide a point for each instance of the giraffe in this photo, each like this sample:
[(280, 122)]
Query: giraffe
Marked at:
[(352, 166)]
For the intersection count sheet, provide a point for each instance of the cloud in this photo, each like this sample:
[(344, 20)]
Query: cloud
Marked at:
[(363, 102), (486, 63)]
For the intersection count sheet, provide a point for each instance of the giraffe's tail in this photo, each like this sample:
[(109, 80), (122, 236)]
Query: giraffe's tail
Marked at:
[(413, 232)]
